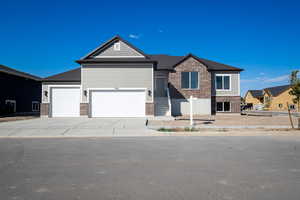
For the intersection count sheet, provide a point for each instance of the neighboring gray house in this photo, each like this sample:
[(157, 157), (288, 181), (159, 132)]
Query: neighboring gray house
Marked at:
[(119, 80)]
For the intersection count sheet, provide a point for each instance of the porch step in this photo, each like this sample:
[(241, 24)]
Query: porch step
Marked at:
[(161, 106)]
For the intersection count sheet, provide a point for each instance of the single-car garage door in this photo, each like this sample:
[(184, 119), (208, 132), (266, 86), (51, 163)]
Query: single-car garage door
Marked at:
[(117, 103), (65, 102)]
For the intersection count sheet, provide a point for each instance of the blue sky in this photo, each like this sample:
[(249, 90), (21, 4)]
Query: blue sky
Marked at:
[(262, 37)]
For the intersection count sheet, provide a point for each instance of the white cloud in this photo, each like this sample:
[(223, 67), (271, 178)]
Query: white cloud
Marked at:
[(133, 36), (266, 79), (277, 79), (261, 73), (160, 31)]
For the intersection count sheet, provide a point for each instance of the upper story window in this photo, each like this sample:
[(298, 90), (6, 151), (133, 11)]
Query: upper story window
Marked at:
[(223, 82), (189, 80), (117, 46)]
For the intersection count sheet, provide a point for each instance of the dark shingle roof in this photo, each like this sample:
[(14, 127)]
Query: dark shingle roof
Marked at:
[(275, 91), (71, 75), (162, 61), (256, 93), (167, 62), (14, 72)]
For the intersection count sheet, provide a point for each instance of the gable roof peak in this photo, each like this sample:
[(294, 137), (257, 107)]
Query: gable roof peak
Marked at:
[(110, 42)]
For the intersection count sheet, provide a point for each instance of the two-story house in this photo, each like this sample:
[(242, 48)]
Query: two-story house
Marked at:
[(119, 80)]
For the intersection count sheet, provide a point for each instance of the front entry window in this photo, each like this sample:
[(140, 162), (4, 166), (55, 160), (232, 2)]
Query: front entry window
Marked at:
[(189, 80)]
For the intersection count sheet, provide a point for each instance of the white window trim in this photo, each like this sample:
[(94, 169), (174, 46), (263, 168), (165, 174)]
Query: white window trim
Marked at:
[(190, 81), (12, 101), (223, 107), (223, 82), (32, 107)]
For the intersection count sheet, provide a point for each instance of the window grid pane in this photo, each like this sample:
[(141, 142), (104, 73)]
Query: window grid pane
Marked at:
[(219, 80), (194, 80), (219, 106), (185, 80), (226, 84), (226, 106)]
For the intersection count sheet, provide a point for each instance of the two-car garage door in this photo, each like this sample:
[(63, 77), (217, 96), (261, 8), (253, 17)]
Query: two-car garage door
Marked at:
[(117, 103), (65, 102)]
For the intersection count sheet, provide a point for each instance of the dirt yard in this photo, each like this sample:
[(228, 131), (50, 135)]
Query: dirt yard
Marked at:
[(229, 120), (16, 118)]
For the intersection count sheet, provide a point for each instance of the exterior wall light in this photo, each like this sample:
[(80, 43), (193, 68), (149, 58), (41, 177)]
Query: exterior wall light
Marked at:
[(46, 93), (149, 93), (85, 93)]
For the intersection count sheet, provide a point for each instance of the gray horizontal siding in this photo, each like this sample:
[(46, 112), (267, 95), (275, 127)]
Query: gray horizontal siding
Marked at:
[(125, 50), (117, 76)]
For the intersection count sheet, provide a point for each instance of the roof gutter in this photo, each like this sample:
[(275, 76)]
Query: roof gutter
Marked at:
[(114, 61)]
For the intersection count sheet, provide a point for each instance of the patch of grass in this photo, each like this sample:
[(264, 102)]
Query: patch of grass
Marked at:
[(165, 130), (186, 129)]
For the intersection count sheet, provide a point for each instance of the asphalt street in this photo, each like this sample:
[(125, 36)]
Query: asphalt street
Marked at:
[(151, 168)]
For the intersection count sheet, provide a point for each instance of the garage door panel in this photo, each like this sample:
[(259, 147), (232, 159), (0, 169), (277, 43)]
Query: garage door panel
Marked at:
[(110, 103), (65, 102)]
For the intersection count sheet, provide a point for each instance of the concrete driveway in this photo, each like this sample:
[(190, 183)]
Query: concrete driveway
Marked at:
[(76, 127)]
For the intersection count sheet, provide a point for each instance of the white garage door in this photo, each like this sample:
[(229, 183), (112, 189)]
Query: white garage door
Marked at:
[(65, 102), (118, 103)]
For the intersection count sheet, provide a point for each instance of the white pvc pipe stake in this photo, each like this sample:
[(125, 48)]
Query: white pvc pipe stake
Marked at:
[(191, 111)]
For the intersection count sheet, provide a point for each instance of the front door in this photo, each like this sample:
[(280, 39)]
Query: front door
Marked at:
[(160, 87)]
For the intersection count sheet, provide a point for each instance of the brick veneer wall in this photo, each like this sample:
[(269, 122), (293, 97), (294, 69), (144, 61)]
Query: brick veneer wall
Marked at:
[(149, 108), (235, 102), (84, 109), (44, 109), (190, 65)]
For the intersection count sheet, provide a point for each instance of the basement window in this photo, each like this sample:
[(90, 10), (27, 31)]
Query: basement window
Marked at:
[(292, 107), (280, 105), (11, 106), (223, 106), (35, 105)]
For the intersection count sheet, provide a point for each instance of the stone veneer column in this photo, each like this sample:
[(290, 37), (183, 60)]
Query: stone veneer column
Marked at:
[(149, 108), (44, 109), (84, 109)]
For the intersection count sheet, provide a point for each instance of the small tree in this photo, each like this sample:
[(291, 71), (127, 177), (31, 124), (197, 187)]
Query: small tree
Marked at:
[(294, 77), (295, 88)]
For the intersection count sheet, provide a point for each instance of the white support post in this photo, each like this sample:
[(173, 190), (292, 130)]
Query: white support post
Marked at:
[(191, 111)]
